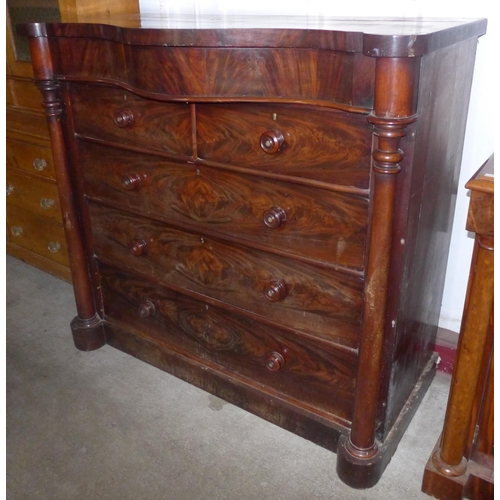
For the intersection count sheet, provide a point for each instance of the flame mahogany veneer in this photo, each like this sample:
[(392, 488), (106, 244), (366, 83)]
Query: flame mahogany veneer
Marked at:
[(265, 210)]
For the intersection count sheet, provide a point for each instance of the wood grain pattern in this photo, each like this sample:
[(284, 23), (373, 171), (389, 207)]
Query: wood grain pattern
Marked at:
[(322, 303), (320, 225), (325, 145), (200, 72), (314, 373), (156, 125)]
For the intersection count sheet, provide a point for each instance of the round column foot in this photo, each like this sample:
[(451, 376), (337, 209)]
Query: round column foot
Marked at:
[(88, 334), (359, 468), (447, 469)]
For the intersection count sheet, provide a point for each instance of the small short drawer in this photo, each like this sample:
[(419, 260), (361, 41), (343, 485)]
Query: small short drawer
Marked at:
[(316, 373), (288, 218), (318, 302), (26, 94), (37, 234), (32, 158), (39, 196), (119, 116), (300, 141)]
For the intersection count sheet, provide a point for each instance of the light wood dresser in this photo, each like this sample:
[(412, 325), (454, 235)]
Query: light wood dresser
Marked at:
[(263, 207), (461, 465), (35, 232)]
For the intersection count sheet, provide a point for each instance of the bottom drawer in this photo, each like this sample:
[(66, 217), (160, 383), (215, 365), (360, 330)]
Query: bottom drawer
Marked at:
[(318, 375), (39, 235)]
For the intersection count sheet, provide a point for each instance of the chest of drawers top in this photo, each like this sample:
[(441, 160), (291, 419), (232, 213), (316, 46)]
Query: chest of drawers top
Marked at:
[(286, 58)]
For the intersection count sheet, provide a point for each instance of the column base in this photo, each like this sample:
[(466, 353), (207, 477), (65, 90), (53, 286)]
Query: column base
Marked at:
[(359, 471), (447, 469), (88, 334), (362, 468)]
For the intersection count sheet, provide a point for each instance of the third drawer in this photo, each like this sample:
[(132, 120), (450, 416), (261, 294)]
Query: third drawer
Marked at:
[(320, 302)]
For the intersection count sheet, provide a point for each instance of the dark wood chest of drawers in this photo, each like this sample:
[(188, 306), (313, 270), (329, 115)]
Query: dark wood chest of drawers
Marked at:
[(265, 212)]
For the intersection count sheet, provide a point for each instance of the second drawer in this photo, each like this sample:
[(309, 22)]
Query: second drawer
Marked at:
[(319, 224)]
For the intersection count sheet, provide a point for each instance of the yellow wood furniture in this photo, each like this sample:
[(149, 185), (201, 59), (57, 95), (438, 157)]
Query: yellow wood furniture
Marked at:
[(461, 465), (35, 232)]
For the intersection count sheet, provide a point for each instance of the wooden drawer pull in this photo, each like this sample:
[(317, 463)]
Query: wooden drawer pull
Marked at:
[(275, 362), (274, 217), (271, 141), (54, 246), (146, 309), (138, 247), (131, 181), (124, 118), (47, 203), (39, 164), (16, 230), (275, 291)]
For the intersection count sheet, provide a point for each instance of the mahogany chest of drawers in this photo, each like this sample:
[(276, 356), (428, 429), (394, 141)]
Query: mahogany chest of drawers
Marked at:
[(265, 212)]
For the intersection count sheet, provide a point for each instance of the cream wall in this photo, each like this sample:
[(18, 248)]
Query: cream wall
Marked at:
[(479, 137)]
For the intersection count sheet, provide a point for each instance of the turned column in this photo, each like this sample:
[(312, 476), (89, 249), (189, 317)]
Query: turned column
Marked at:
[(394, 109), (450, 459), (86, 327)]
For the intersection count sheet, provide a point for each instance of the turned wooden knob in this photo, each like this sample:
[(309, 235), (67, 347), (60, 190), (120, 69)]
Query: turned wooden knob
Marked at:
[(146, 309), (123, 118), (138, 247), (275, 362), (131, 181), (271, 141), (276, 290), (274, 217)]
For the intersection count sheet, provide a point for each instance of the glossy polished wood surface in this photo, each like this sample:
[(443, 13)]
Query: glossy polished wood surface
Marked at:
[(377, 37), (313, 372), (258, 209), (316, 224)]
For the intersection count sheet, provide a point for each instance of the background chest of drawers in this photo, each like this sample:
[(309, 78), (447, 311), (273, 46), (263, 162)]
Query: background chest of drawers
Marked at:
[(265, 212), (35, 232)]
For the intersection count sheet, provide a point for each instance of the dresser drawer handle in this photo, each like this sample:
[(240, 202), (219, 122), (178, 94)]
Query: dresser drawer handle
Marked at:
[(10, 189), (16, 230), (275, 362), (146, 309), (274, 217), (271, 141), (131, 181), (47, 203), (54, 246), (275, 291), (138, 247), (124, 118), (39, 164)]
